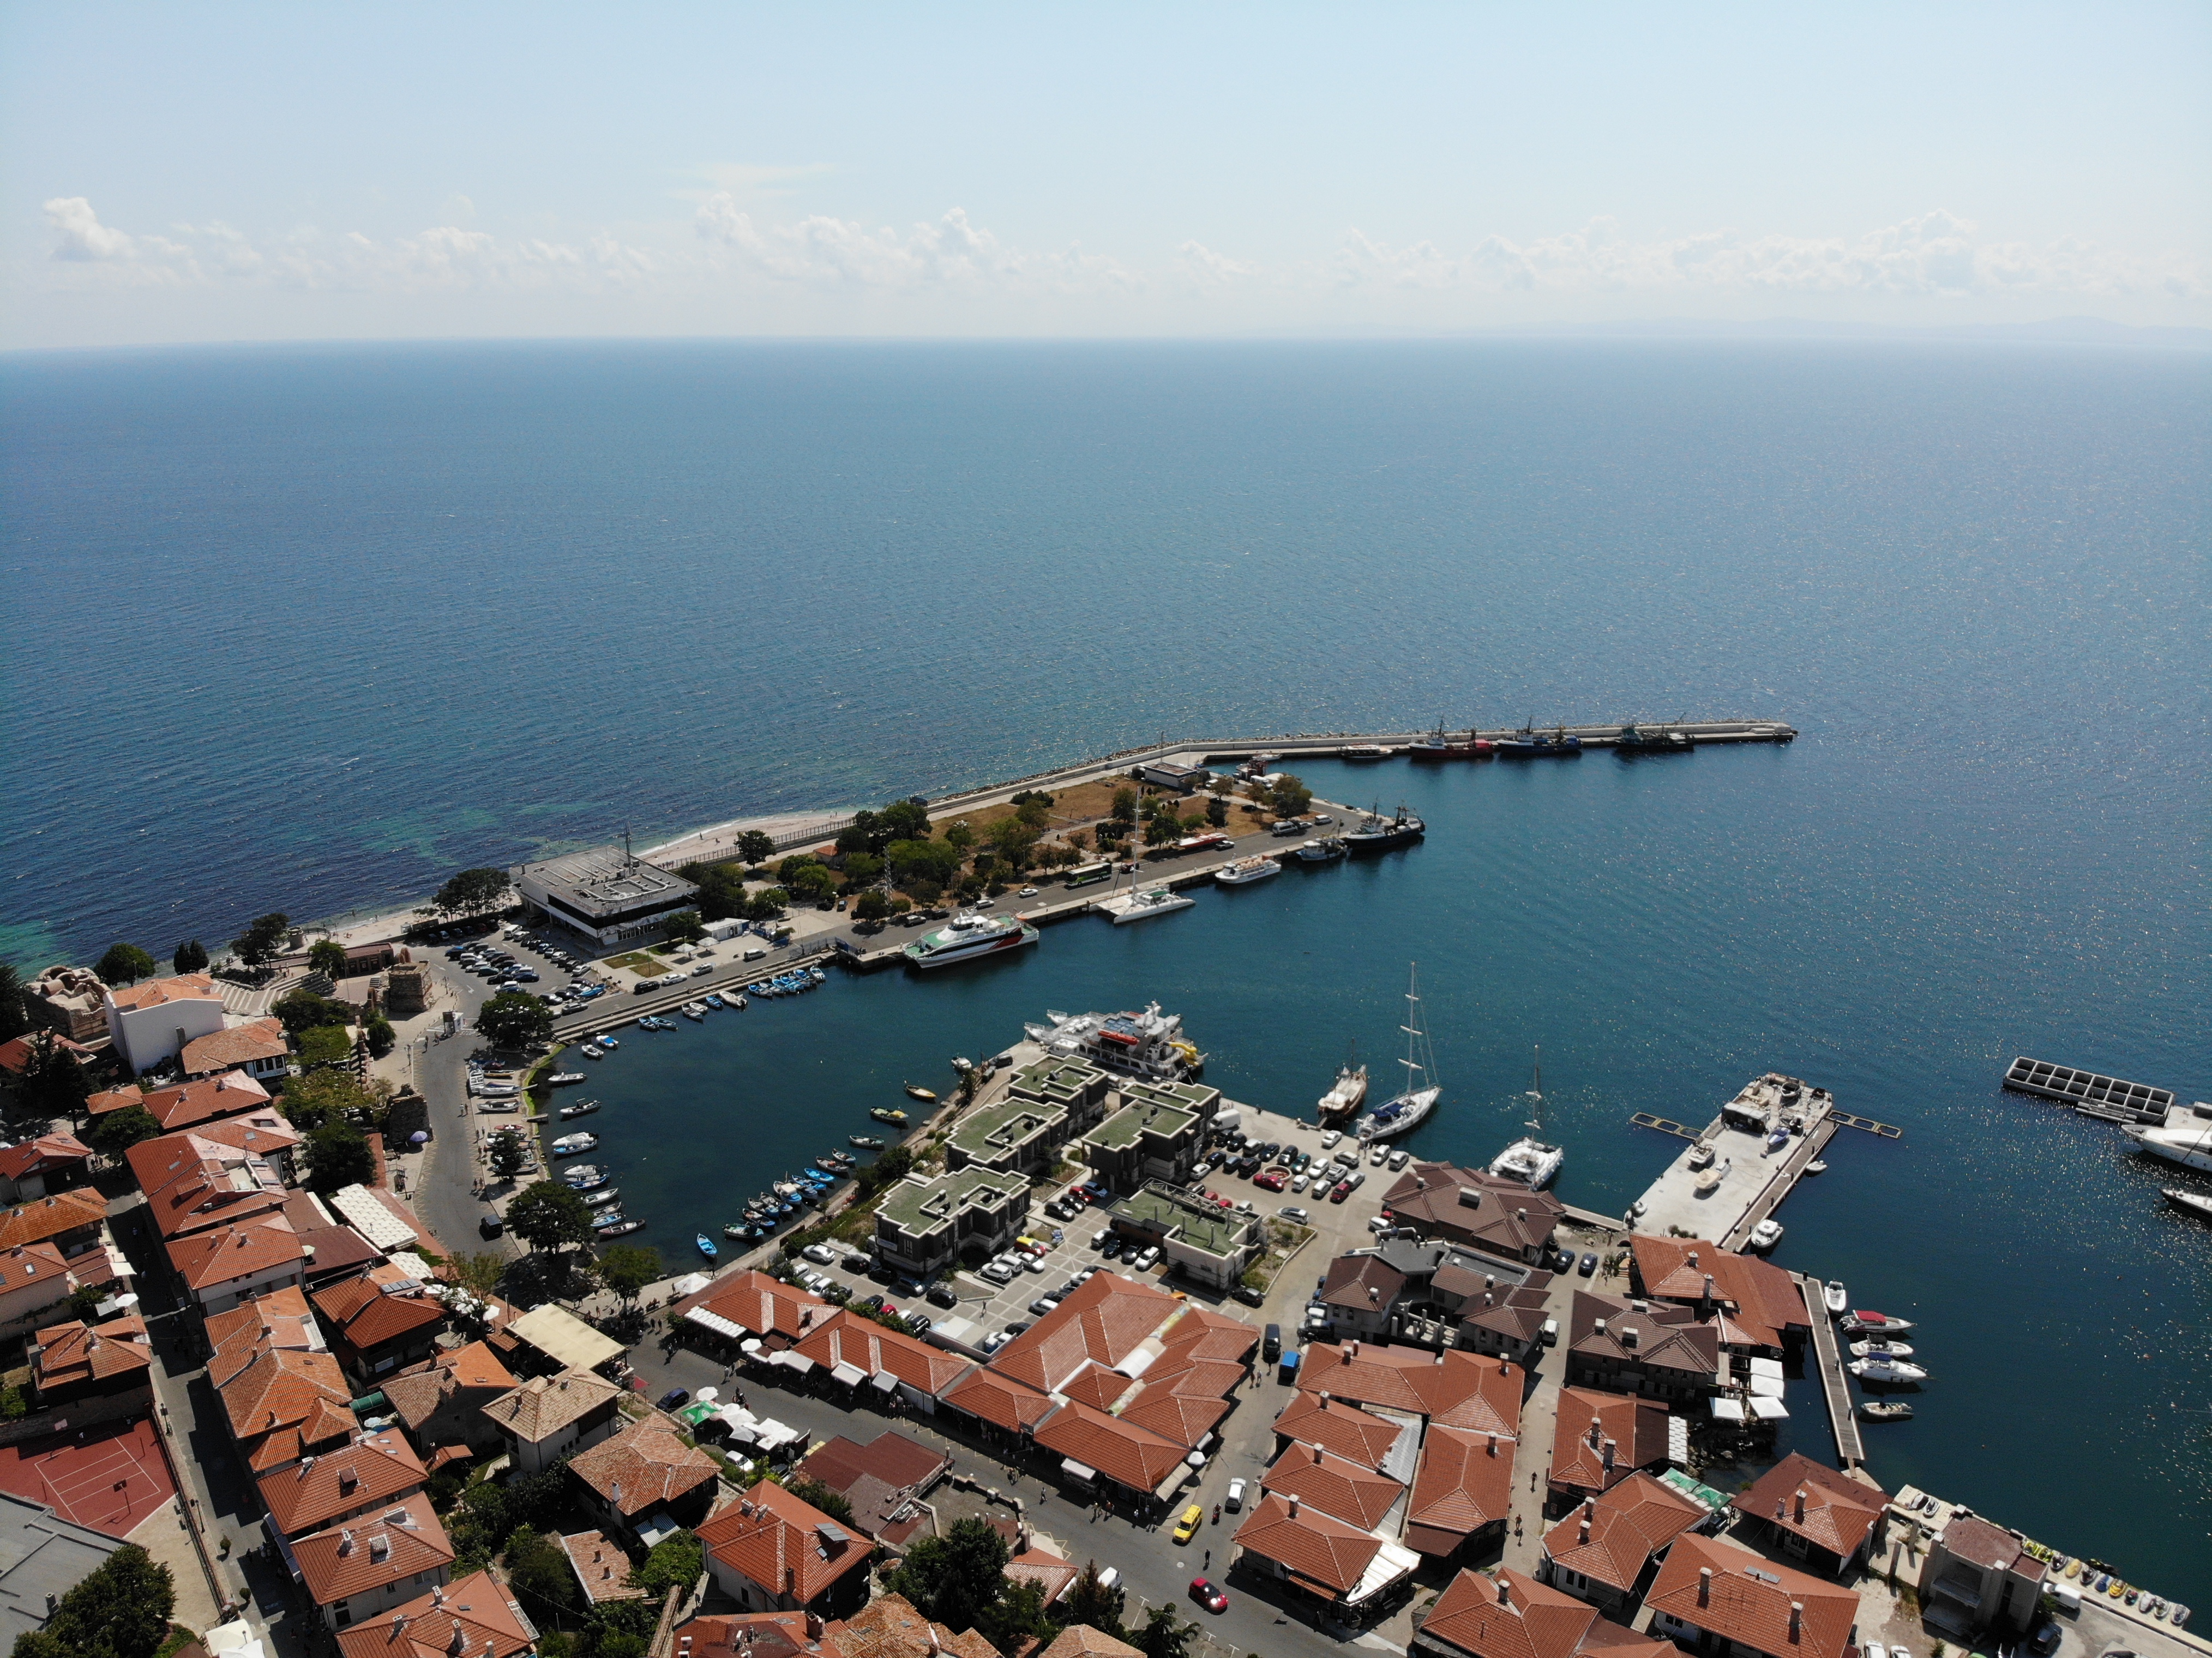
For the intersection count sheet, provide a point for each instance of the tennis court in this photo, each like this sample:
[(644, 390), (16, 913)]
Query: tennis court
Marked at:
[(109, 1478)]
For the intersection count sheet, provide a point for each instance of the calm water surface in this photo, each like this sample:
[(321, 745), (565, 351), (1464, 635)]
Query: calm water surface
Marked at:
[(309, 629)]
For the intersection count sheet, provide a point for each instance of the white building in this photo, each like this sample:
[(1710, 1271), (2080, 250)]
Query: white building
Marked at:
[(605, 892), (152, 1021)]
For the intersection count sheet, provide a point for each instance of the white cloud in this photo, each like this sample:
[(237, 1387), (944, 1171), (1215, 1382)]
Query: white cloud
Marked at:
[(1202, 264), (824, 253)]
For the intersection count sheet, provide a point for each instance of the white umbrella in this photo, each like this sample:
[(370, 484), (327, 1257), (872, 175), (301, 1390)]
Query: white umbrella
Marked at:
[(707, 1396), (690, 1284)]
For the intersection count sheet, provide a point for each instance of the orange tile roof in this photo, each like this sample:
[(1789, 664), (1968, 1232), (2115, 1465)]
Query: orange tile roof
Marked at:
[(380, 1305), (51, 1216), (758, 1303), (189, 1105), (1103, 1322), (192, 1182), (1052, 1575), (157, 992), (223, 1254), (1340, 1427), (1625, 1527), (1586, 1420), (67, 1355), (783, 1543), (1464, 1483), (45, 1152), (1762, 1301), (1358, 1496), (1178, 1418), (998, 1400), (316, 1489), (889, 1627), (476, 1366), (603, 1568), (1116, 1447), (869, 1347), (541, 1407), (1818, 1504), (1326, 1552), (1457, 1389), (1752, 1610), (756, 1635), (418, 1394), (15, 1053), (1514, 1616), (478, 1609), (1081, 1640), (34, 1263), (238, 1044), (274, 1319), (371, 1551), (643, 1465)]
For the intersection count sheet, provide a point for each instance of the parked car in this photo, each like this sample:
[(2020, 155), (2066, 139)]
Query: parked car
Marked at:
[(1270, 1181), (1340, 1190), (675, 1397), (995, 1341), (1331, 1138), (1589, 1263), (1249, 1296), (1293, 1211), (1149, 1258), (1042, 1305), (1187, 1527), (998, 1272), (943, 1295), (819, 1255), (1208, 1595), (1235, 1498)]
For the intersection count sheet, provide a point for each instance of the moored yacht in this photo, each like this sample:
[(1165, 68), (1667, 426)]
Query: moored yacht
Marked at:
[(1346, 1095), (1405, 1112), (968, 937), (1533, 1160), (1151, 902), (2190, 1147), (1245, 871)]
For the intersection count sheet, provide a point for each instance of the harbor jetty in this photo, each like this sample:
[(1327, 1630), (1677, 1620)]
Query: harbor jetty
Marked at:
[(1736, 1173)]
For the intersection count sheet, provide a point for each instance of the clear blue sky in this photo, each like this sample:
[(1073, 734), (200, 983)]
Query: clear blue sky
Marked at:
[(214, 171)]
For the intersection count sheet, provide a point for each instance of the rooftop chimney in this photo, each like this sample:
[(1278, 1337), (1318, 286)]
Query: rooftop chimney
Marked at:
[(379, 1546), (1599, 1326), (1704, 1586), (1294, 1507), (1351, 1351), (345, 1541), (1800, 1505), (1608, 1456), (1586, 1529), (1589, 1508), (1492, 1447), (1709, 1286), (1693, 1257), (1505, 1593), (1318, 1454), (814, 1626), (1797, 1619), (1597, 1431)]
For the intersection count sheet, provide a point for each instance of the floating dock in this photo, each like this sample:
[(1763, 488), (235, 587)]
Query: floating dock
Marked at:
[(1835, 1384), (2093, 1095), (1755, 1179)]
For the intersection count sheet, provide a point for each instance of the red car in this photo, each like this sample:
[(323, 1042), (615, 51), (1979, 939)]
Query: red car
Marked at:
[(1270, 1181), (1208, 1595), (1340, 1191)]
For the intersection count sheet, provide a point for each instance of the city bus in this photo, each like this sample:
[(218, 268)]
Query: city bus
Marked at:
[(1083, 875)]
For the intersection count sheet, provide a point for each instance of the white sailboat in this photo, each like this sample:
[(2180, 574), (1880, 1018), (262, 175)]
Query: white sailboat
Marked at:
[(1532, 1160), (1408, 1110)]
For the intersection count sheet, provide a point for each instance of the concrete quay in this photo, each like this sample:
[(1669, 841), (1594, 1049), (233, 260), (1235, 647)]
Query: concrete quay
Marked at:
[(1754, 1181)]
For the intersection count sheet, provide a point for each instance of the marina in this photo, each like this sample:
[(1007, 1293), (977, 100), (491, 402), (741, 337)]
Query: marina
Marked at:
[(1827, 1364), (1741, 1166)]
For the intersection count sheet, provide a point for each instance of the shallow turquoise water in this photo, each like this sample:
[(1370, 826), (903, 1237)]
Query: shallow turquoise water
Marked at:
[(308, 629)]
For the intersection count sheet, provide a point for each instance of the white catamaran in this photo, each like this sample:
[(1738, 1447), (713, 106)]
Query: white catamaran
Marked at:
[(1408, 1110), (1532, 1160)]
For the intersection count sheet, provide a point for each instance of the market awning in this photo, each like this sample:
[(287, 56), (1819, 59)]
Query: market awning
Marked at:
[(793, 1360), (1075, 1470), (1766, 1387), (885, 1382), (851, 1375), (1728, 1409), (717, 1323), (1769, 1410), (564, 1337)]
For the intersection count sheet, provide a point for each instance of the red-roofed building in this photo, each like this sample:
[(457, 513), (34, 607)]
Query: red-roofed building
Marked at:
[(602, 1567), (883, 1481), (645, 1480), (188, 1105), (1827, 1520), (150, 1021), (760, 1634), (1607, 1549), (476, 1616), (1599, 1439), (370, 1472), (225, 1265), (548, 1416), (862, 1354), (194, 1180), (1512, 1615), (441, 1404), (34, 1280), (282, 1392), (17, 1052), (1342, 1428), (379, 1320), (1458, 1389), (1760, 1309), (773, 1551), (73, 1362), (257, 1049), (1474, 1207), (1093, 1445), (74, 1222), (1719, 1599), (1330, 1560), (1665, 1351), (46, 1163), (366, 1565), (1334, 1485), (752, 1306), (1461, 1491)]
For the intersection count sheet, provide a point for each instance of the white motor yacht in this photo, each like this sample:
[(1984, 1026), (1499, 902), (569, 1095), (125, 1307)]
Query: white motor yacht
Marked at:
[(2190, 1147), (1151, 902), (1894, 1371), (1766, 1234), (1245, 871)]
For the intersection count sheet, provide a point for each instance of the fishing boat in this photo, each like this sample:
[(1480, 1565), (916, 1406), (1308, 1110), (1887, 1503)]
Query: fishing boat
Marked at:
[(1346, 1095), (1816, 1167), (2190, 1147), (1245, 871), (609, 1042), (1152, 901), (2196, 1202), (1880, 1350), (1532, 1159), (591, 1053), (865, 1142), (601, 1199), (735, 1003), (1327, 850), (1375, 832), (1406, 1111), (1652, 740), (916, 1091), (695, 1010), (707, 1247), (1360, 752), (576, 1173), (575, 1145), (563, 1079), (1710, 1182), (1438, 745), (890, 1114), (619, 1228), (1886, 1409), (1835, 1298), (712, 999), (1890, 1372), (965, 938), (1862, 1322), (581, 1108), (1766, 1235), (738, 1234)]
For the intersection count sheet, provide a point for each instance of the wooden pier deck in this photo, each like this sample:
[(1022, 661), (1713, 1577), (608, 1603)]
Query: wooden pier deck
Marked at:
[(1835, 1382)]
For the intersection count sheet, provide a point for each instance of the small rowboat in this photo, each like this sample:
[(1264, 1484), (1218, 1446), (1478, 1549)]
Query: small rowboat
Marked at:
[(707, 1246), (618, 1228), (916, 1091), (1885, 1411)]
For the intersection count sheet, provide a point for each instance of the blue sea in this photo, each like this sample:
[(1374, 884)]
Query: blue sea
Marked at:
[(307, 629)]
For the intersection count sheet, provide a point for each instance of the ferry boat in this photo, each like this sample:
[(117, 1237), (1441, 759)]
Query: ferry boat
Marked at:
[(1245, 871), (1150, 1045), (2190, 1147), (1363, 751), (1377, 833), (890, 1114), (1652, 740), (581, 1108), (1346, 1095), (1327, 850), (1151, 902), (967, 936), (1407, 1111), (1533, 1160), (572, 1145)]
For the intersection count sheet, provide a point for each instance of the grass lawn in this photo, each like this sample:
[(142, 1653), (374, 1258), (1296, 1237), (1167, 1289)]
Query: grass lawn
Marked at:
[(638, 961)]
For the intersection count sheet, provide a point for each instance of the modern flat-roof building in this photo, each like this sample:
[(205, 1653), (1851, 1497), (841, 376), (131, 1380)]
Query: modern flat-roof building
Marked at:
[(1016, 1136), (1079, 1090), (1212, 1245), (1157, 1135), (605, 892), (922, 1226)]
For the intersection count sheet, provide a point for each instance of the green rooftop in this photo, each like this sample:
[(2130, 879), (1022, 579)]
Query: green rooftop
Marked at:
[(917, 1207), (1204, 1225), (1062, 1082), (1196, 1098), (1128, 1126), (993, 1130)]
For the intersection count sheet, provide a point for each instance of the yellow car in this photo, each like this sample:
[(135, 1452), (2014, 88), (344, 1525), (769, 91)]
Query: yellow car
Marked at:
[(1187, 1527)]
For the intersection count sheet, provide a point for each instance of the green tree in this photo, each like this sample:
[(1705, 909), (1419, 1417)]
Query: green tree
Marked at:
[(325, 1047), (675, 1562), (540, 1568), (117, 1132), (54, 1084), (191, 956), (684, 927), (1217, 812), (471, 892), (922, 861), (1094, 1603), (120, 1610), (871, 906), (123, 964), (833, 1503), (382, 1038), (954, 1579), (959, 836), (479, 1275), (264, 940), (1036, 812), (84, 1301), (862, 834), (1290, 797), (547, 1214), (1017, 1618), (862, 869), (903, 820), (303, 1010), (1124, 805), (14, 1016), (327, 957), (509, 1151), (813, 883), (1161, 829), (311, 1100), (515, 1019), (1165, 1634), (627, 1268), (755, 846), (766, 904), (338, 1155)]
